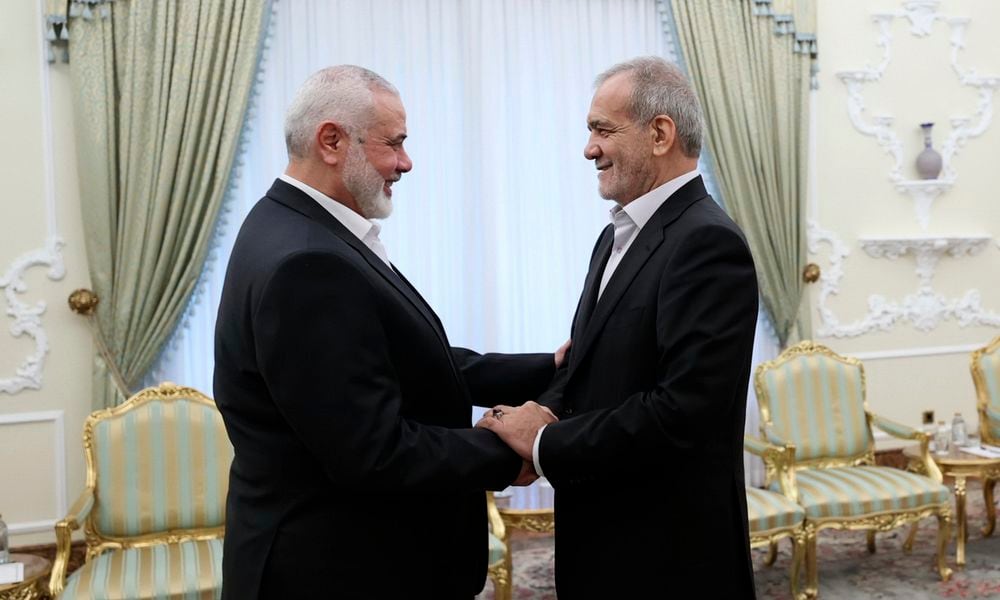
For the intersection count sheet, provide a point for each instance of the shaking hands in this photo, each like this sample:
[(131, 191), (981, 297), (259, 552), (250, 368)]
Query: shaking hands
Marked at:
[(517, 427)]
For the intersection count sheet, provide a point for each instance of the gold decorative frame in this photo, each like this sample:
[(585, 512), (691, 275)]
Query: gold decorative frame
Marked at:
[(80, 512), (502, 571), (779, 462), (982, 394), (785, 473), (982, 402)]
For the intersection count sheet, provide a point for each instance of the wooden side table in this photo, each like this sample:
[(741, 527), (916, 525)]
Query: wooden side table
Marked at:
[(36, 574), (961, 466)]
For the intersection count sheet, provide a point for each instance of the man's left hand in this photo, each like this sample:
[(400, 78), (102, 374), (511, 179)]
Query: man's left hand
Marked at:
[(560, 354), (517, 427)]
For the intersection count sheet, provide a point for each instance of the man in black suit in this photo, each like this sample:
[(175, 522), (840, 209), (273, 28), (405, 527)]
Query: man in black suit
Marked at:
[(356, 473), (647, 461)]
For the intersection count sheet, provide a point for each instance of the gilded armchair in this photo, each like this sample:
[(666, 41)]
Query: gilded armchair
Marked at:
[(985, 366), (773, 516), (500, 568), (153, 510), (813, 398)]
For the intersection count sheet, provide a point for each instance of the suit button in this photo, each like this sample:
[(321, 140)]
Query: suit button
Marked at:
[(568, 412)]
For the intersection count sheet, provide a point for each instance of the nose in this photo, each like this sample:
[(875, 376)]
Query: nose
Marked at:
[(592, 150), (404, 164)]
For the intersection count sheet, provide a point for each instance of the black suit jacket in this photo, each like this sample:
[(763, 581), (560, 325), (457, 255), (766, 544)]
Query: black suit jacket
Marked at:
[(647, 462), (356, 474)]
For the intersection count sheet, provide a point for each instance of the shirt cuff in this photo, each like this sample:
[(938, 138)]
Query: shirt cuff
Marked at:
[(534, 451)]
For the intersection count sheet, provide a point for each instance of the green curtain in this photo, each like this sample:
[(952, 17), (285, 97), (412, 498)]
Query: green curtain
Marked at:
[(752, 72), (160, 88)]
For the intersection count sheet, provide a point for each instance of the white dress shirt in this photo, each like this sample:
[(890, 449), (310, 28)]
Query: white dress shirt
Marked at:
[(628, 221), (365, 230)]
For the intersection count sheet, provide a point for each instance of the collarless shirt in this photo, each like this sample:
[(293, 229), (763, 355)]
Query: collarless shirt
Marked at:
[(630, 219), (365, 230)]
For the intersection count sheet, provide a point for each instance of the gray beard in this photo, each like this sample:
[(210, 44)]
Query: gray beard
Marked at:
[(365, 184)]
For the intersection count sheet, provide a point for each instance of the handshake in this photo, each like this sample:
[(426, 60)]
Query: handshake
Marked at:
[(518, 427)]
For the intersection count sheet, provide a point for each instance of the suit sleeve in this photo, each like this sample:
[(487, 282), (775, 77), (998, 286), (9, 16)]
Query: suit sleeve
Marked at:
[(510, 379), (706, 311), (323, 353)]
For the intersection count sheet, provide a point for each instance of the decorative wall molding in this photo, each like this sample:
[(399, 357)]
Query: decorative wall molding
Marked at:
[(923, 192), (58, 469), (830, 276), (922, 14), (28, 319), (925, 309), (965, 349)]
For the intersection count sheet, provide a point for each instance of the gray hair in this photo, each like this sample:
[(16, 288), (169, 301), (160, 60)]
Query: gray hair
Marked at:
[(660, 88), (342, 94)]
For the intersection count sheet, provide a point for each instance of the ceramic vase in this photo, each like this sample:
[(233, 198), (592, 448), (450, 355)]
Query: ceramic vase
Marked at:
[(929, 161)]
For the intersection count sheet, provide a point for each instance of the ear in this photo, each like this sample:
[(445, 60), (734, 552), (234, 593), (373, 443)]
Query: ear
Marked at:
[(664, 134), (332, 141)]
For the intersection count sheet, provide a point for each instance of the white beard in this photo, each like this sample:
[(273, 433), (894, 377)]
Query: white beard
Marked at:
[(365, 184)]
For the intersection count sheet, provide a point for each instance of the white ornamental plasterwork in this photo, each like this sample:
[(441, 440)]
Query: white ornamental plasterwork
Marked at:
[(28, 318), (922, 14), (925, 308)]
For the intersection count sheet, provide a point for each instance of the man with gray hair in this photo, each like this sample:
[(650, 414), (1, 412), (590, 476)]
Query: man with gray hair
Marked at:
[(647, 459), (356, 474)]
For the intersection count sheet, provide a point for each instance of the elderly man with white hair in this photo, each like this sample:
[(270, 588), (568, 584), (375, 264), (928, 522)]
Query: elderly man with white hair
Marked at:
[(647, 459), (356, 474)]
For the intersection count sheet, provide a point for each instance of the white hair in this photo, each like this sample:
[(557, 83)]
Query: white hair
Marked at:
[(342, 94), (660, 88)]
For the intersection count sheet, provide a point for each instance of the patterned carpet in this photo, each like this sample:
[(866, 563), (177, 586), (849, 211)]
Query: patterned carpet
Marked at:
[(846, 570)]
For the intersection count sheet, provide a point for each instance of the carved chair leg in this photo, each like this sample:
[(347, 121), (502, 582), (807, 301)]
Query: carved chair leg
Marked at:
[(812, 574), (502, 581), (944, 534), (908, 544), (772, 553), (795, 571), (991, 509), (871, 542)]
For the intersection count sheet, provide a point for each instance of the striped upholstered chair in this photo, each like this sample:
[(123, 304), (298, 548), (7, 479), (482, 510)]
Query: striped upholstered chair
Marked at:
[(985, 367), (773, 516), (814, 399), (501, 570), (153, 510)]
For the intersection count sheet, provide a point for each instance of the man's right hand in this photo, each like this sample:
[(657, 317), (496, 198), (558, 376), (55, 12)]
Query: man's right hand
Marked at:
[(527, 476)]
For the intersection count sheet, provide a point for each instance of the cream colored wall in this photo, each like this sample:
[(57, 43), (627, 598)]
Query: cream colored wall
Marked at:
[(854, 197), (41, 460)]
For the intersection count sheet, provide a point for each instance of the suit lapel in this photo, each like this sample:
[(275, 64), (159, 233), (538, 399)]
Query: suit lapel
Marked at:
[(299, 201), (650, 238), (590, 286)]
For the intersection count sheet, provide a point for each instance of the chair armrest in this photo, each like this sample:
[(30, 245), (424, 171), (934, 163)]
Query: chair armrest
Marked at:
[(896, 430), (496, 521), (900, 431), (64, 539), (779, 461)]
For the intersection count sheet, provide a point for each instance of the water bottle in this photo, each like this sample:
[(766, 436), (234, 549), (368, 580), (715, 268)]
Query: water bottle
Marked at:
[(4, 547), (959, 436), (941, 439)]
